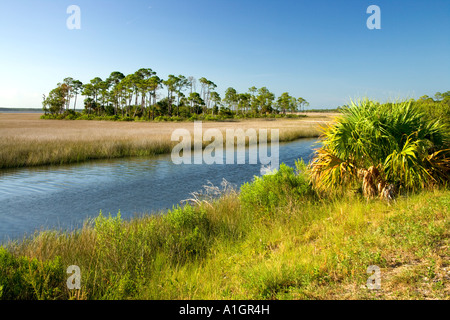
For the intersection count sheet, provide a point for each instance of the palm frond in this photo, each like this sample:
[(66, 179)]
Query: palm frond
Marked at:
[(388, 144)]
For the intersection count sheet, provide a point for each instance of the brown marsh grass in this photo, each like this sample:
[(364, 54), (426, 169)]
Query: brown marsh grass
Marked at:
[(30, 141)]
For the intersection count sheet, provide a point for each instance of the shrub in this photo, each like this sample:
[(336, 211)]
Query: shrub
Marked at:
[(85, 117), (126, 119), (24, 278), (194, 117), (110, 236), (162, 118), (277, 189), (47, 116), (382, 147), (114, 117), (71, 114), (188, 234)]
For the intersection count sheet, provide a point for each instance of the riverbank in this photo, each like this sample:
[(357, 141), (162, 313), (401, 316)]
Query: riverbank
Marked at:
[(30, 141), (289, 245), (131, 185)]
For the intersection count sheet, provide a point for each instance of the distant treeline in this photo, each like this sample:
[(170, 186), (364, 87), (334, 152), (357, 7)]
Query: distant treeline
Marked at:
[(437, 107), (137, 96), (329, 110)]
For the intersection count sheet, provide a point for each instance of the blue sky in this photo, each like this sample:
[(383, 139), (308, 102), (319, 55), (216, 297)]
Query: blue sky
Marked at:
[(319, 50)]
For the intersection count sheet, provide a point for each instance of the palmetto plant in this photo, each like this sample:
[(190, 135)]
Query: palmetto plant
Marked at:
[(382, 147)]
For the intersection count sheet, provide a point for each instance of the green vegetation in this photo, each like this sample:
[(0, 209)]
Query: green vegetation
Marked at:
[(282, 236), (269, 192), (303, 248), (23, 278), (437, 108), (433, 108), (112, 99), (226, 116), (387, 147)]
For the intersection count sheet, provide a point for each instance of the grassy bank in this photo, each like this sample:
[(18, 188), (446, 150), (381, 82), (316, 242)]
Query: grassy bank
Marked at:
[(274, 240), (29, 141), (376, 194)]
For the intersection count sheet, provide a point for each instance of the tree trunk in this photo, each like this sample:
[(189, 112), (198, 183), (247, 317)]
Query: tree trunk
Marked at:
[(75, 103)]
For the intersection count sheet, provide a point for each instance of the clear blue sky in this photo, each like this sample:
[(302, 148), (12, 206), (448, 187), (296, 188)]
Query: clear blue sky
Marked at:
[(319, 50)]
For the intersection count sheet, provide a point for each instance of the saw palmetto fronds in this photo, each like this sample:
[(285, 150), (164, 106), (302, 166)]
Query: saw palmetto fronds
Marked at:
[(381, 146)]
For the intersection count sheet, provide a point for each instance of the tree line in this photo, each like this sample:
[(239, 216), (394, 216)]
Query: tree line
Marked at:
[(436, 107), (146, 96)]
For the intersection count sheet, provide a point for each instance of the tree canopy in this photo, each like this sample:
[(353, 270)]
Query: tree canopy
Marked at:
[(145, 96)]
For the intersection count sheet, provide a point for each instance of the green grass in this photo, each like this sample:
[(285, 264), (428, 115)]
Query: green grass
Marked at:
[(294, 245)]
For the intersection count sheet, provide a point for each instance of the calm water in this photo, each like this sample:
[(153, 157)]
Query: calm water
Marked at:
[(63, 197)]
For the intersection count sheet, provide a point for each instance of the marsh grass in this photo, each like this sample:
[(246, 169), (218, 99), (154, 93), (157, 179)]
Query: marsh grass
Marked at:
[(275, 238), (32, 142), (303, 248)]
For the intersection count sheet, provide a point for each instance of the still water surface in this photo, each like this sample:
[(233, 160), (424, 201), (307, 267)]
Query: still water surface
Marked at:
[(63, 197)]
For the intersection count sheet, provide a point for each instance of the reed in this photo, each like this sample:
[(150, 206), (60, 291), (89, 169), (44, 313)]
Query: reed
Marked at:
[(29, 141), (278, 237), (301, 249)]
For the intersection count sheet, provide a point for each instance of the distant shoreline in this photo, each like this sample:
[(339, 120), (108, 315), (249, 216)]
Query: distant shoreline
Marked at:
[(21, 110), (39, 110)]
